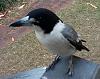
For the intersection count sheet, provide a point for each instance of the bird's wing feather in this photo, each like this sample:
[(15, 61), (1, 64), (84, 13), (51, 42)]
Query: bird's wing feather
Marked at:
[(71, 35)]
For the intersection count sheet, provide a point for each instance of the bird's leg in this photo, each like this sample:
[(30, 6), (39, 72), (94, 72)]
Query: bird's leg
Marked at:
[(52, 66), (70, 66)]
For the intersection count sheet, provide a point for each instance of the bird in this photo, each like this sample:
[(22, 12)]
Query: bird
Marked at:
[(59, 38)]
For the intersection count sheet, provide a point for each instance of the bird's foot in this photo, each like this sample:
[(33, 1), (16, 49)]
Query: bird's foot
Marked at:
[(70, 67), (70, 70), (52, 66)]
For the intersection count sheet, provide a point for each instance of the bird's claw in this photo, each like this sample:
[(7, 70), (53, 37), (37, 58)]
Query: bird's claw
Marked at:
[(52, 66), (70, 71), (70, 68)]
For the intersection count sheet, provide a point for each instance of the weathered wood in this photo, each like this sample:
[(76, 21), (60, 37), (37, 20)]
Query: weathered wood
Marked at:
[(83, 69)]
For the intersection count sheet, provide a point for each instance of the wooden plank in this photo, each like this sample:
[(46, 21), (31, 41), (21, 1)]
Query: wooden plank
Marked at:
[(83, 69)]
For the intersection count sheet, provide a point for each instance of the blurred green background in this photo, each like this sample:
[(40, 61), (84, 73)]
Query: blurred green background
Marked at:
[(6, 4)]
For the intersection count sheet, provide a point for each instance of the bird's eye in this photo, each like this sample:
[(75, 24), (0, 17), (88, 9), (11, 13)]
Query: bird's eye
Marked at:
[(32, 20), (37, 21), (40, 17)]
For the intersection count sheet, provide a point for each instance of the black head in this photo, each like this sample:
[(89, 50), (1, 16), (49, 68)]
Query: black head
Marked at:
[(43, 18)]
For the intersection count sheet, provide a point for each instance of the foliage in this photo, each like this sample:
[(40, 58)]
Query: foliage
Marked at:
[(5, 4)]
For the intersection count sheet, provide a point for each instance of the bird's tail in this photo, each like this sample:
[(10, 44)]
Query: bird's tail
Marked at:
[(83, 47)]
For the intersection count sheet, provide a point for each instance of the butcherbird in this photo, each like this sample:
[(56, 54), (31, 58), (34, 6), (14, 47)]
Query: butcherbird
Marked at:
[(60, 38)]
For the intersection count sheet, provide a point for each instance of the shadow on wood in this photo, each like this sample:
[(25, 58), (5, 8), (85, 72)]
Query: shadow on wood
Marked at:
[(83, 69)]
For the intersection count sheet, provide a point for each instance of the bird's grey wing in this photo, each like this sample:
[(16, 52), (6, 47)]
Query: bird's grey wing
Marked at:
[(71, 35)]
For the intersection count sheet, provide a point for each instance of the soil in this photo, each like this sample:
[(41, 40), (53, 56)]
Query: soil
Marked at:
[(7, 35), (16, 59)]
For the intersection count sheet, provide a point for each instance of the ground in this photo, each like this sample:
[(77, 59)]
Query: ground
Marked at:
[(21, 51)]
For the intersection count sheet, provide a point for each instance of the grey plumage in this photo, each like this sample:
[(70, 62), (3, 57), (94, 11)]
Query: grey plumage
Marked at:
[(71, 35), (61, 39)]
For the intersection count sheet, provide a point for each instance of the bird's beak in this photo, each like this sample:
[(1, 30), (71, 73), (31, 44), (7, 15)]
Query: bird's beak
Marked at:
[(22, 22)]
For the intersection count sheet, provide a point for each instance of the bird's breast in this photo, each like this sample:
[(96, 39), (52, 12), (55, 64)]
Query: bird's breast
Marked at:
[(55, 42)]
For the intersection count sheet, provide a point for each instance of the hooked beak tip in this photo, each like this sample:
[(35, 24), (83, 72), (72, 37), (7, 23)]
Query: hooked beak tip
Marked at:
[(16, 24), (21, 22)]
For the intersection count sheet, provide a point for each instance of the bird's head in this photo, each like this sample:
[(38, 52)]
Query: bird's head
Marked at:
[(41, 18)]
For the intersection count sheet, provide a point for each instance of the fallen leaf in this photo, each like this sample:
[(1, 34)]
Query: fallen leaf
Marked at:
[(92, 5), (21, 6), (3, 14), (13, 39), (9, 11)]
